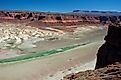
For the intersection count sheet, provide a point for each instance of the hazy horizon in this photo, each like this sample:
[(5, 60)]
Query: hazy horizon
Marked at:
[(61, 5)]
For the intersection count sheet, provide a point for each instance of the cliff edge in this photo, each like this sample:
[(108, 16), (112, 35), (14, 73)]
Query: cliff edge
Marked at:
[(111, 72), (108, 54), (39, 19)]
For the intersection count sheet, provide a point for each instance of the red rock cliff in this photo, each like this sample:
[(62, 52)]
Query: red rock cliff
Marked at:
[(57, 19)]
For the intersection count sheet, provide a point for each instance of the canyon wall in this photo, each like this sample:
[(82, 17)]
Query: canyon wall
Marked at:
[(57, 19), (108, 54), (110, 51)]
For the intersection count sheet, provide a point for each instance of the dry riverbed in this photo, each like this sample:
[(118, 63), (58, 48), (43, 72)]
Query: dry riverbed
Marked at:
[(17, 39)]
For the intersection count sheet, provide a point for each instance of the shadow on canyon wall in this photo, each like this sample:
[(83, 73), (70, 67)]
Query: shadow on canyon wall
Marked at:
[(110, 51), (108, 65)]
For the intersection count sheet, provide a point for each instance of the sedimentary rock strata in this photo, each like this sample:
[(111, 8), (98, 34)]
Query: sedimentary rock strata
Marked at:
[(39, 19)]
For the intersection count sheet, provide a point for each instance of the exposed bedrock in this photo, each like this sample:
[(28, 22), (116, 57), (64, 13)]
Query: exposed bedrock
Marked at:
[(110, 51), (57, 19), (111, 72), (108, 66)]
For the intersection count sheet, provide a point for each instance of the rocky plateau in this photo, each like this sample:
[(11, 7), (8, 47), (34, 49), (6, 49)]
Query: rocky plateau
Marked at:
[(40, 19)]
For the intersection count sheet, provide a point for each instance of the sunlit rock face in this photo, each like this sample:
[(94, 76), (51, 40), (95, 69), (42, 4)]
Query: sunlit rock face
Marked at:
[(111, 72), (19, 35), (58, 19)]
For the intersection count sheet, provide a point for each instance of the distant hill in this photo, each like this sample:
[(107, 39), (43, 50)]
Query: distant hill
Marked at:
[(97, 12)]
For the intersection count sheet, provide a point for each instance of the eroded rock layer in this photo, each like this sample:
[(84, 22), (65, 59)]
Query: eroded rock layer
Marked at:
[(58, 19), (111, 72)]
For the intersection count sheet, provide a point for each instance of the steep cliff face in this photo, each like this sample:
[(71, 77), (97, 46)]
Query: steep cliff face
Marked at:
[(110, 51), (56, 19)]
